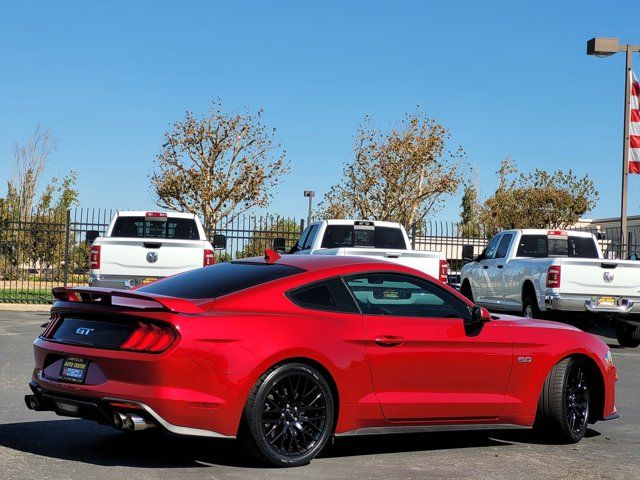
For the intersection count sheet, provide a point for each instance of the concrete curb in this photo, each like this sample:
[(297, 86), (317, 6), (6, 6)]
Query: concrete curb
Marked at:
[(24, 307)]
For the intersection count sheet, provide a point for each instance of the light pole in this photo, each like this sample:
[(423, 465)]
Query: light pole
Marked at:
[(604, 47), (310, 194)]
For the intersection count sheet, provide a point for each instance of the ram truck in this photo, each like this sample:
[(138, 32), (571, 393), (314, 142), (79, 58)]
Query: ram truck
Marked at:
[(380, 240), (140, 247), (559, 274)]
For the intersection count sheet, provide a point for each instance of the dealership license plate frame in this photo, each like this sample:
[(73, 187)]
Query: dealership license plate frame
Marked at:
[(74, 370)]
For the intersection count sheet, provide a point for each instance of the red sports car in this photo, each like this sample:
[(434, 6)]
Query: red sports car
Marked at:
[(284, 352)]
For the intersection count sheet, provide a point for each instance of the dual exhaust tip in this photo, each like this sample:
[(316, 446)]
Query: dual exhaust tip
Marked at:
[(130, 422)]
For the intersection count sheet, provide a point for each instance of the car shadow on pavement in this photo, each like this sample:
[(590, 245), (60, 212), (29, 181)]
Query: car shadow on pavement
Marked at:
[(83, 441)]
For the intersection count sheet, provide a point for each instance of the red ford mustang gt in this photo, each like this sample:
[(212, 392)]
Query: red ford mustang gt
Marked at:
[(284, 352)]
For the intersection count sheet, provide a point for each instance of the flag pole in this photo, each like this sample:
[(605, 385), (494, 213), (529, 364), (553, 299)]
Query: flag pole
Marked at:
[(625, 155)]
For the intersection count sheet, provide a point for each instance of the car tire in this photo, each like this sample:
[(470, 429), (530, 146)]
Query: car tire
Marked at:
[(530, 306), (628, 335), (289, 416), (564, 404), (466, 291)]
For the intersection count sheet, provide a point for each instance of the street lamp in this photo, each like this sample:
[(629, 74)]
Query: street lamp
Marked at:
[(605, 47), (310, 194)]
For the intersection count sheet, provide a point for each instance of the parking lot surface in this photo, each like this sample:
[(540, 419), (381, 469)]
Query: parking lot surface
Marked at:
[(42, 445)]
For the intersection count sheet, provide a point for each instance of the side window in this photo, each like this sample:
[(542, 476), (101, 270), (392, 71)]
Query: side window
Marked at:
[(503, 247), (313, 232), (490, 251), (329, 295), (532, 246), (403, 295)]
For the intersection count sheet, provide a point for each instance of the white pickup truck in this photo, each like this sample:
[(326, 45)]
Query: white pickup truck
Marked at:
[(139, 247), (559, 274), (363, 238)]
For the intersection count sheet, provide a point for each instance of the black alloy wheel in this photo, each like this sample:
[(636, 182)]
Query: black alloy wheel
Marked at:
[(565, 403), (289, 415), (577, 400)]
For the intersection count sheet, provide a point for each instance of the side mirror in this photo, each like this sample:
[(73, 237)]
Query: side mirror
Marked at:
[(279, 244), (479, 315), (467, 254), (219, 242)]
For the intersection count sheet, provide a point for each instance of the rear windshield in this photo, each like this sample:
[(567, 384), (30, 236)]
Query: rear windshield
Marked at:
[(340, 236), (542, 246), (140, 227), (219, 279)]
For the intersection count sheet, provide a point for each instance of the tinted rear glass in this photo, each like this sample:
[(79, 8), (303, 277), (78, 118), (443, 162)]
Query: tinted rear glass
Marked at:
[(139, 227), (220, 279), (540, 246), (338, 236)]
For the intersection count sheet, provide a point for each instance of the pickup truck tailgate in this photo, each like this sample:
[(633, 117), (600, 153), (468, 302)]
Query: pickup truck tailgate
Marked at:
[(600, 277), (149, 257)]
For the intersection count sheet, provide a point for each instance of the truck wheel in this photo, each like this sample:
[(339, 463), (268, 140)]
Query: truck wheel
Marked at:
[(564, 404), (466, 290), (628, 335), (530, 306)]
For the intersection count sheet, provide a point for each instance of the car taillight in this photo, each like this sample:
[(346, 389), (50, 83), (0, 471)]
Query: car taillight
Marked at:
[(94, 257), (444, 271), (553, 276), (208, 258), (148, 337), (52, 325)]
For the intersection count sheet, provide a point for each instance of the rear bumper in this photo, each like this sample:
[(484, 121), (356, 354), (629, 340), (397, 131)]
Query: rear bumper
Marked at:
[(102, 410), (170, 388), (586, 304)]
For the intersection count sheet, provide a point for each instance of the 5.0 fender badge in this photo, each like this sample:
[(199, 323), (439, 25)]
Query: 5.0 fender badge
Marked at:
[(524, 359)]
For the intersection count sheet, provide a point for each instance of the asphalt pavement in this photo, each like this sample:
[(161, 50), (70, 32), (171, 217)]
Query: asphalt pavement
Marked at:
[(42, 445)]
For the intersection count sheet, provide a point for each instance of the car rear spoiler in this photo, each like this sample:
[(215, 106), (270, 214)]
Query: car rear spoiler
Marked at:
[(105, 296)]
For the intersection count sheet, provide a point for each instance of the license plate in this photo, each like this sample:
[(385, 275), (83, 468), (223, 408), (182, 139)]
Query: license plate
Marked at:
[(607, 302), (148, 280), (74, 370)]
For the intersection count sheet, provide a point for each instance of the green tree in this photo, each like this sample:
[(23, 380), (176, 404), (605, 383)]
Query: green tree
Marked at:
[(538, 199), (218, 166), (400, 175), (262, 237), (470, 217)]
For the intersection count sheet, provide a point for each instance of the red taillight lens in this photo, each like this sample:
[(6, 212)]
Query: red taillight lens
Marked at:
[(94, 257), (52, 325), (208, 258), (553, 276), (148, 337), (444, 271)]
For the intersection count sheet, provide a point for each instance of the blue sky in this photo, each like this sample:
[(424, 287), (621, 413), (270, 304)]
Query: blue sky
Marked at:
[(506, 77)]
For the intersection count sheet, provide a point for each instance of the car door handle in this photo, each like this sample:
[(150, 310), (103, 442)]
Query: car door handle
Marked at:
[(500, 266), (485, 267), (388, 341)]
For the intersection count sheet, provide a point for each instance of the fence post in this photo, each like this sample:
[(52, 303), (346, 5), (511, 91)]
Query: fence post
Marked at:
[(413, 236), (66, 247), (301, 225)]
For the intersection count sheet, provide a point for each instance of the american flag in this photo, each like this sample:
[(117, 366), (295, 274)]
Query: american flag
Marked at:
[(634, 127)]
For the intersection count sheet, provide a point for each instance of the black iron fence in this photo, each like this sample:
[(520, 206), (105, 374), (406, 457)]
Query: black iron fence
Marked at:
[(39, 252)]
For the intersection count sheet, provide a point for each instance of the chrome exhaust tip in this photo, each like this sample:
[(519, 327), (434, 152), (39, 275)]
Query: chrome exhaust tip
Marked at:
[(32, 402), (118, 421), (135, 422)]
